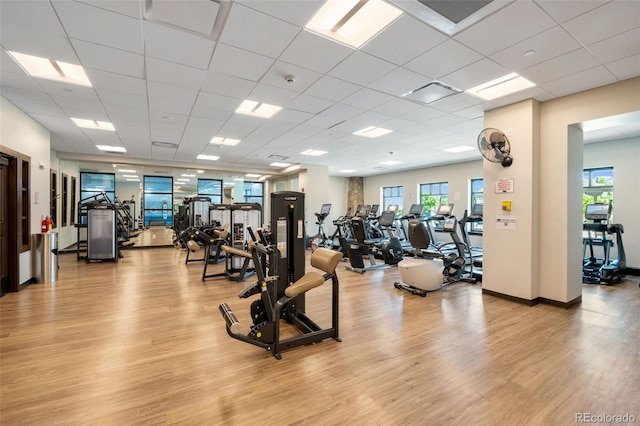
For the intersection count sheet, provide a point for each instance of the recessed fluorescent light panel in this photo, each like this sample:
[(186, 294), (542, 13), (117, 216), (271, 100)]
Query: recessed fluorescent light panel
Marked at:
[(276, 164), (130, 176), (187, 175), (373, 132), (257, 109), (313, 152), (126, 171), (183, 180), (502, 86), (252, 175), (348, 171), (461, 148), (50, 69), (391, 162), (352, 22), (93, 124), (200, 171), (111, 148), (207, 157), (132, 180), (225, 141)]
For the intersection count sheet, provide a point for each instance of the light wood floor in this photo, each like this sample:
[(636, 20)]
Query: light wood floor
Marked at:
[(141, 341)]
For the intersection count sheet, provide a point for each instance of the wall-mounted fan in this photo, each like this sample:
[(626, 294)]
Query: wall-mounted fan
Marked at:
[(495, 147)]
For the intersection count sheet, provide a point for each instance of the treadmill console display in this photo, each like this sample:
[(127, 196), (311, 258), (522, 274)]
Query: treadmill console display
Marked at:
[(415, 210), (597, 212), (444, 210), (449, 224), (387, 218), (326, 209), (476, 210)]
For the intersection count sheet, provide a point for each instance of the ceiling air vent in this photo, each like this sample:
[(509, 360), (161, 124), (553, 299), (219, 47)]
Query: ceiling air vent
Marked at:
[(278, 157), (455, 11), (168, 145), (431, 92), (203, 17)]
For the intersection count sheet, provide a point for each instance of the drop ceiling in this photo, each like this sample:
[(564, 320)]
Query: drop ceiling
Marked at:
[(169, 75)]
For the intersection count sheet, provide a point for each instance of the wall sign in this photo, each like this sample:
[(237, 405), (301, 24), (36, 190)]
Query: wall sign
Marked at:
[(504, 185)]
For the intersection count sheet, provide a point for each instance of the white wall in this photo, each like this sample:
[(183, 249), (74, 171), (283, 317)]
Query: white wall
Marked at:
[(561, 154), (67, 235), (511, 264), (22, 134), (457, 175), (624, 156)]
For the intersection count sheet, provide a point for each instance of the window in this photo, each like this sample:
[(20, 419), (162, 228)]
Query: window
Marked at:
[(211, 188), (158, 201), (393, 195), (597, 186), (254, 192), (432, 195), (92, 187), (477, 197)]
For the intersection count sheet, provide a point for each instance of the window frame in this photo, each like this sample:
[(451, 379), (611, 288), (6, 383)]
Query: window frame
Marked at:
[(397, 198), (476, 227), (591, 190)]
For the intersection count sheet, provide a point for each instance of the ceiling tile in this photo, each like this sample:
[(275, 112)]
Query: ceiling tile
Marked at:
[(546, 45), (97, 25), (625, 68), (45, 108), (271, 95), (559, 67), (113, 97), (308, 103), (361, 68), (457, 102), (37, 43), (472, 75), (303, 78), (108, 59), (332, 89), (606, 21), (294, 12), (397, 107), (562, 11), (227, 85), (117, 82), (82, 108), (403, 40), (511, 24), (315, 53), (366, 99), (583, 80), (129, 8), (172, 45), (38, 16), (443, 59), (617, 47), (399, 82), (171, 99), (174, 74), (218, 102), (266, 35), (239, 63)]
